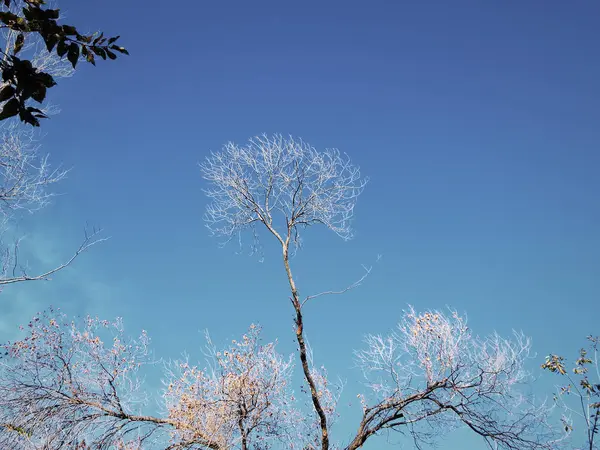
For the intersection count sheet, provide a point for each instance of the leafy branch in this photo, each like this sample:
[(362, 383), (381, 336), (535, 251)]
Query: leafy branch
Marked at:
[(21, 80)]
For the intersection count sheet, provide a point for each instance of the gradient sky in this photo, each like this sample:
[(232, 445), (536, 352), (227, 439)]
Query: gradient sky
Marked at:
[(477, 123)]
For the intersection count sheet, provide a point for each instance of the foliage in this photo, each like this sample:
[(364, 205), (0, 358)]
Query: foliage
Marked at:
[(69, 384), (243, 400), (22, 81), (580, 396)]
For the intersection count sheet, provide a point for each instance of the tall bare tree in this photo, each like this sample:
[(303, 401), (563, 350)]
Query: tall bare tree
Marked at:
[(286, 185)]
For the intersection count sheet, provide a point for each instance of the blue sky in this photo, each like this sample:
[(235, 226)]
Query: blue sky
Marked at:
[(477, 123)]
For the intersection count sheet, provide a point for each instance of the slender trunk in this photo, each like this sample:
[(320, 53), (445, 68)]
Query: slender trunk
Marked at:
[(592, 432), (242, 414), (303, 354)]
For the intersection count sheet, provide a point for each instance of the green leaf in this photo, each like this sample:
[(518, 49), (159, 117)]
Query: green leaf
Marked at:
[(62, 48), (86, 39), (11, 108), (585, 384), (51, 40), (28, 13), (90, 58), (99, 51), (17, 429), (37, 113), (45, 79), (19, 41), (27, 117), (554, 363), (22, 66), (39, 94), (52, 14), (34, 13), (69, 30), (23, 25), (119, 49), (6, 93), (98, 38), (24, 83), (73, 54), (7, 17), (8, 73)]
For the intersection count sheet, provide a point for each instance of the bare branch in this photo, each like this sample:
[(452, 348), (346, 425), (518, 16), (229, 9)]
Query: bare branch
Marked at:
[(11, 259), (24, 176), (354, 285)]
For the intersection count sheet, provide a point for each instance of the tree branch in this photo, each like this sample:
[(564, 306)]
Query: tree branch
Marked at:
[(354, 285), (88, 242)]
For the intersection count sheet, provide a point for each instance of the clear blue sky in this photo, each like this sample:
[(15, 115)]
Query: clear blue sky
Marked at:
[(477, 123)]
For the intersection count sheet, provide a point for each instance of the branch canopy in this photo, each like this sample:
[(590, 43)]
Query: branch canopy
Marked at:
[(284, 183), (432, 373)]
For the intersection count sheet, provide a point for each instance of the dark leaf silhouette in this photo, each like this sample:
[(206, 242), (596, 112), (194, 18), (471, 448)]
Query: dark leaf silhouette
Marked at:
[(21, 81)]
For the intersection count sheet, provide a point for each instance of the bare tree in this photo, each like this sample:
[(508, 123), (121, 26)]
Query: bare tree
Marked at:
[(243, 400), (285, 185), (62, 383), (77, 385), (431, 375), (579, 398)]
